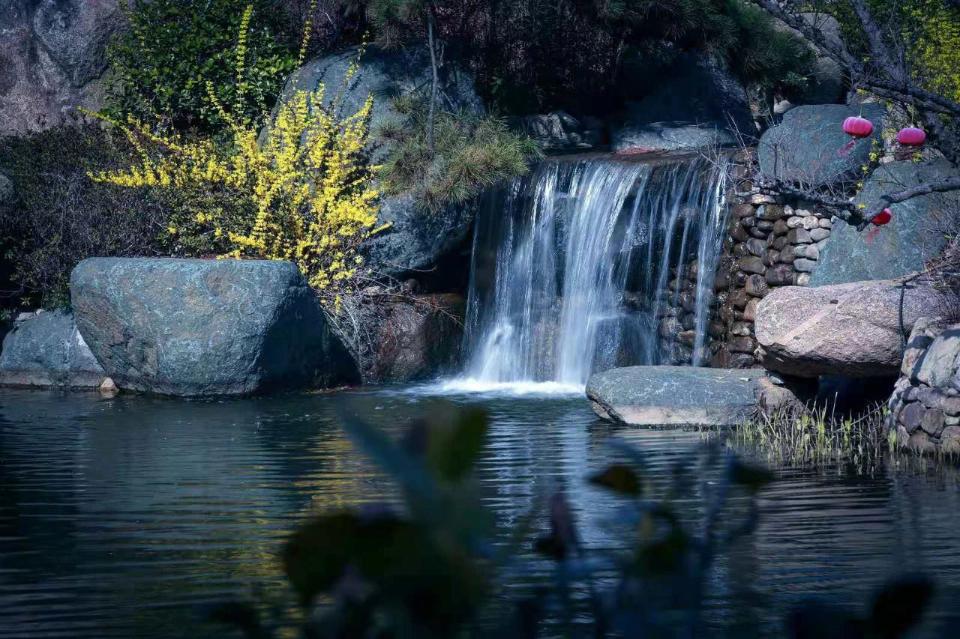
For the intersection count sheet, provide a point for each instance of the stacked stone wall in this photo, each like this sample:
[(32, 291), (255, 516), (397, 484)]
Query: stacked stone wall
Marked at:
[(925, 405)]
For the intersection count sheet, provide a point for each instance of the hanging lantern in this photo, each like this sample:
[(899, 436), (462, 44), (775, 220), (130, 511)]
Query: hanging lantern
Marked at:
[(857, 127), (911, 136), (883, 217)]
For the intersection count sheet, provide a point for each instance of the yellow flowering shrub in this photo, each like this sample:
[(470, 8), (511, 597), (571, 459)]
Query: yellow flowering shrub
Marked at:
[(300, 191)]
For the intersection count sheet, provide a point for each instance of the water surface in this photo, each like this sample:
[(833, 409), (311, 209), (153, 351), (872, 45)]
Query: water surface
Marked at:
[(122, 517)]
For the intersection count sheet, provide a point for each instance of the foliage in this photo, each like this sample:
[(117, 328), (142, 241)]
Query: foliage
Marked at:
[(816, 437), (772, 58), (539, 55), (933, 33), (926, 32), (469, 154), (160, 67), (438, 567), (301, 191), (60, 217)]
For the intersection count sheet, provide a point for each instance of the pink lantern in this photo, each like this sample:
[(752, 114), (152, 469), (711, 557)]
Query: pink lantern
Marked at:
[(911, 136), (883, 217), (857, 127)]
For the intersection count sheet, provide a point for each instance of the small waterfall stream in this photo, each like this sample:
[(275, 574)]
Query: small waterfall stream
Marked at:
[(572, 264)]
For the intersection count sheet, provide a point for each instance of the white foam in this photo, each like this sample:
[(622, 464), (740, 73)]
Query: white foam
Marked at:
[(471, 386)]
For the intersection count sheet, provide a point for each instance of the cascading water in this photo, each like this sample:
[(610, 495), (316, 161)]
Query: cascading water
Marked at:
[(571, 267)]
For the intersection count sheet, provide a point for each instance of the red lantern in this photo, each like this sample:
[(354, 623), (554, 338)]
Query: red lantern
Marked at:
[(883, 217), (857, 127), (911, 136)]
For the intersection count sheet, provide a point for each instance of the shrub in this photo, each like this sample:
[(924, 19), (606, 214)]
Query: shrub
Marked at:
[(469, 153), (759, 53), (302, 191), (60, 217), (161, 65)]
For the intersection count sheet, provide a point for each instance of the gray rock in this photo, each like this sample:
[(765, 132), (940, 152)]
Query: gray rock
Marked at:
[(845, 329), (819, 234), (940, 363), (809, 146), (560, 131), (675, 395), (911, 416), (46, 349), (52, 59), (692, 108), (914, 236), (416, 237), (206, 327)]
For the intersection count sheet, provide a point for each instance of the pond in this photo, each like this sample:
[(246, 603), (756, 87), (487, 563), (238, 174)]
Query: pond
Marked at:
[(123, 517)]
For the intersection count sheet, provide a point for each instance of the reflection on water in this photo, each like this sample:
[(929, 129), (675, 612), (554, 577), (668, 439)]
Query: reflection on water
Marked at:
[(121, 518)]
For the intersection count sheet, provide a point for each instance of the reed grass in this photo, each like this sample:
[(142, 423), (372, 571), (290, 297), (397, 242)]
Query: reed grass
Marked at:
[(802, 436)]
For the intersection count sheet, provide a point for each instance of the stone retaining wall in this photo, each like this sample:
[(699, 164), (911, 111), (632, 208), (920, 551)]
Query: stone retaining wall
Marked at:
[(772, 241), (925, 405)]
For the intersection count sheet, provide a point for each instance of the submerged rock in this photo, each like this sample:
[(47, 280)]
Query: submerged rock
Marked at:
[(845, 329), (675, 395), (810, 148), (206, 327), (45, 349), (914, 236)]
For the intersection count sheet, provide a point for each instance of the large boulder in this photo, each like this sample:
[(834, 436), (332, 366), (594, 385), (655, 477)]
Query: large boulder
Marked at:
[(206, 327), (915, 235), (415, 237), (45, 349), (695, 107), (810, 148), (52, 59), (850, 329), (405, 338), (675, 395)]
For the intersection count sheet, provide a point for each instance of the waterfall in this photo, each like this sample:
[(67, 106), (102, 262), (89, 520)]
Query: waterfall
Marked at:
[(572, 267)]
